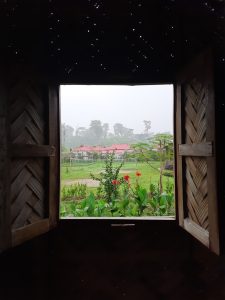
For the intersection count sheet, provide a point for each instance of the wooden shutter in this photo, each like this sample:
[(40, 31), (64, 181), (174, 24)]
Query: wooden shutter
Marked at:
[(195, 147), (33, 152)]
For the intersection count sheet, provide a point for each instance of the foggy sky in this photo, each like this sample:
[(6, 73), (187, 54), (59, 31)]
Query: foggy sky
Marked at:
[(129, 105)]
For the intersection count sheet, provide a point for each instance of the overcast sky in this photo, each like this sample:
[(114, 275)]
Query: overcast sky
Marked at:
[(129, 105)]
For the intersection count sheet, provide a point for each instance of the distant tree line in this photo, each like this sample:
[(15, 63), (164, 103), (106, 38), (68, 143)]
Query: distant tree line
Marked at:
[(98, 134)]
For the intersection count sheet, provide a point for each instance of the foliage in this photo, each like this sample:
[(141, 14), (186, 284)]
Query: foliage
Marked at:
[(98, 133), (160, 147), (130, 201), (161, 203), (88, 205), (132, 195), (96, 129), (66, 135), (120, 130), (147, 125), (134, 203), (140, 197), (109, 179), (100, 208), (74, 191), (168, 174), (164, 143)]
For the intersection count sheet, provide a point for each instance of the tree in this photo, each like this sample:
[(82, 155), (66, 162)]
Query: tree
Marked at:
[(161, 146), (128, 132), (122, 131), (66, 135), (105, 128), (163, 142), (118, 129), (96, 129), (147, 126), (81, 131)]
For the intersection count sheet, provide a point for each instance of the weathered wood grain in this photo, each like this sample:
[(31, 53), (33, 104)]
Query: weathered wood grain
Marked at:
[(200, 149), (18, 150), (179, 160), (34, 155), (28, 153), (197, 231), (54, 167), (5, 235), (196, 163), (24, 234)]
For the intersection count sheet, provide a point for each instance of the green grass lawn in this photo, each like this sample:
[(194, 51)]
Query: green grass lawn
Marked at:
[(83, 170)]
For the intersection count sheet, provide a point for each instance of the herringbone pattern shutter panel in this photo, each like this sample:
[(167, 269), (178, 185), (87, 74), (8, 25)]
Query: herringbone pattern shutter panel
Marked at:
[(28, 192), (196, 155), (28, 176), (196, 167), (27, 117), (30, 152)]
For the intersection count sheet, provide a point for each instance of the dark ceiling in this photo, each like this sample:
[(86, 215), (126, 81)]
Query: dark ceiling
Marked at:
[(126, 40)]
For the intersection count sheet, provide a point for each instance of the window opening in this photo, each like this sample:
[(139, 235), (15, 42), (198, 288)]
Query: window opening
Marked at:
[(117, 154)]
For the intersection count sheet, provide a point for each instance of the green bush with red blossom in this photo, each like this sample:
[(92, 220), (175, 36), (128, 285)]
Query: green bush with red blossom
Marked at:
[(117, 197)]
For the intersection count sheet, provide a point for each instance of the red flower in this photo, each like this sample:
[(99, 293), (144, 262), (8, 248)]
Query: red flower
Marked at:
[(138, 173), (115, 182), (126, 178)]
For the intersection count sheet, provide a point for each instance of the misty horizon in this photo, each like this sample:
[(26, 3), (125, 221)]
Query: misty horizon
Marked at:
[(111, 130), (127, 105)]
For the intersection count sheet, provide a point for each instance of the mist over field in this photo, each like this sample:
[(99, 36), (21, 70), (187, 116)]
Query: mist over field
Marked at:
[(105, 115)]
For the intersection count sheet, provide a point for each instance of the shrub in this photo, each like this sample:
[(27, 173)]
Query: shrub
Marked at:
[(75, 191), (115, 196), (109, 179)]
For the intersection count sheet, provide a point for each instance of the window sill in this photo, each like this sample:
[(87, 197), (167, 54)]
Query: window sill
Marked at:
[(163, 218)]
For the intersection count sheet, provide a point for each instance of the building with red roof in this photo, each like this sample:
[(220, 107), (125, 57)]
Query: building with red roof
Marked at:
[(87, 152)]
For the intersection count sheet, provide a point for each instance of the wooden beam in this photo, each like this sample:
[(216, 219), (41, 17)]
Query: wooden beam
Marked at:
[(179, 180), (54, 163), (203, 149), (197, 231), (5, 232), (29, 231), (32, 151), (214, 224)]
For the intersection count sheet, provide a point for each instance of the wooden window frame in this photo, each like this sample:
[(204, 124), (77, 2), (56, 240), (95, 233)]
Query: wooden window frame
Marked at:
[(124, 219), (9, 238)]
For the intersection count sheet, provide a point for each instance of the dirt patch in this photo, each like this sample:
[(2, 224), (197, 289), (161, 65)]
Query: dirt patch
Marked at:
[(89, 182), (123, 171), (127, 171)]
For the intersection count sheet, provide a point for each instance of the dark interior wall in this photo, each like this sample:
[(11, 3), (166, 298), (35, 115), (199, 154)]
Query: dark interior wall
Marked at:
[(109, 41), (92, 260)]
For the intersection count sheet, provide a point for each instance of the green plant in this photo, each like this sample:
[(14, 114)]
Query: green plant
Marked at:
[(112, 206), (100, 208), (109, 179), (168, 173), (123, 206), (141, 198), (125, 196), (161, 145), (88, 205), (100, 192), (74, 191), (68, 208), (131, 195), (63, 212), (161, 203)]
